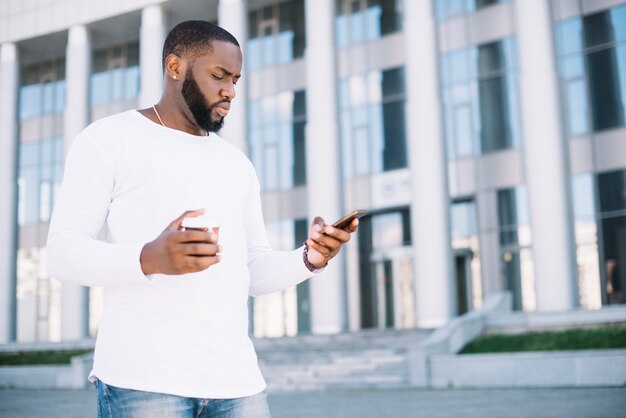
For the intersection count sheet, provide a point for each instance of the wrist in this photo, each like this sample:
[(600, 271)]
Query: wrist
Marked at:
[(305, 257)]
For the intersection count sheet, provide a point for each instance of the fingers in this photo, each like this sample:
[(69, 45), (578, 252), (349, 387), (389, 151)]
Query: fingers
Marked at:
[(199, 256), (328, 241), (325, 241), (325, 251), (329, 234), (199, 249), (353, 226), (176, 223), (194, 236), (195, 264)]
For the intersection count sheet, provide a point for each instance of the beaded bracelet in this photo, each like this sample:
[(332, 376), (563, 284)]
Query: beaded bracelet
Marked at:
[(307, 263)]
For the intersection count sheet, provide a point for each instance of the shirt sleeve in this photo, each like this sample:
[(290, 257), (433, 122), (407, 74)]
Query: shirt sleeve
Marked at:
[(74, 252), (270, 270)]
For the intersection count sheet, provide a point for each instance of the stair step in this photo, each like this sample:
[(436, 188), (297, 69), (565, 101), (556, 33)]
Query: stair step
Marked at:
[(362, 360)]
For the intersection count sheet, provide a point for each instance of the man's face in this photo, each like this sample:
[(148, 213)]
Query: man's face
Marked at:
[(209, 85)]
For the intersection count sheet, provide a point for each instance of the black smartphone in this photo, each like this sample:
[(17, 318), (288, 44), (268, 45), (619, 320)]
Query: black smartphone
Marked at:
[(344, 222)]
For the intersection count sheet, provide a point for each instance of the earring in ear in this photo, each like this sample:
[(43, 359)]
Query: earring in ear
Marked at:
[(174, 77)]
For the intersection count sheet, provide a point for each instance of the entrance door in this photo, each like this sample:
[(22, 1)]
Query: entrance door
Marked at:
[(463, 275), (391, 294)]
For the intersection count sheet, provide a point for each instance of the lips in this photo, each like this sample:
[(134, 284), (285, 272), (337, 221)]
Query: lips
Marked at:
[(222, 109)]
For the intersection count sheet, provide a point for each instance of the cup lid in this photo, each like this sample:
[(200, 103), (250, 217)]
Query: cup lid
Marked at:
[(200, 222)]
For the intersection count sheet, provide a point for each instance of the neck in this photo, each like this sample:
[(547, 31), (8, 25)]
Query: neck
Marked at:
[(172, 117)]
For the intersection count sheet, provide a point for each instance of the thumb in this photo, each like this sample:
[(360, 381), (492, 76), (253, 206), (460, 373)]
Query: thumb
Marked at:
[(318, 220), (176, 224)]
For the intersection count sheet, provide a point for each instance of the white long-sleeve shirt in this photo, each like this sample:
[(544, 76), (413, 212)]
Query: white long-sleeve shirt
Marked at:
[(185, 335)]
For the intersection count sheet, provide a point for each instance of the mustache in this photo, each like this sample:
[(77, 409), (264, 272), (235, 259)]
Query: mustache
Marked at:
[(220, 102)]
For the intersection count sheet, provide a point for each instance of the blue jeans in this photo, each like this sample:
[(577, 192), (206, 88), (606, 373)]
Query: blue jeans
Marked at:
[(114, 402)]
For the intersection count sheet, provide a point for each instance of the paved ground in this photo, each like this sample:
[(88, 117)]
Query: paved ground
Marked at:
[(483, 403)]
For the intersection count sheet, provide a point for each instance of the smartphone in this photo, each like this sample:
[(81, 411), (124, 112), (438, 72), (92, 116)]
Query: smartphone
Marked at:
[(344, 222)]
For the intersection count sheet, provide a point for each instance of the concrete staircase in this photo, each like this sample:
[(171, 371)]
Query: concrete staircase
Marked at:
[(364, 359)]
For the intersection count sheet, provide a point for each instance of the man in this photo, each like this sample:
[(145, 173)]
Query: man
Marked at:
[(173, 336)]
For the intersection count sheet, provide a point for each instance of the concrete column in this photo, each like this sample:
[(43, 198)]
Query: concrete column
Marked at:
[(151, 39), (9, 83), (427, 160), (324, 178), (545, 159), (74, 306), (232, 15)]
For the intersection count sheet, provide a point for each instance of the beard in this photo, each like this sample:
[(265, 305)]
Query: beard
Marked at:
[(199, 106)]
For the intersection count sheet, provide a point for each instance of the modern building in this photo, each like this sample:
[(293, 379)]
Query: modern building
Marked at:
[(487, 139)]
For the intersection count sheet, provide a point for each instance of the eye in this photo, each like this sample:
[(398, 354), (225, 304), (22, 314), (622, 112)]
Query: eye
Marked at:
[(217, 77)]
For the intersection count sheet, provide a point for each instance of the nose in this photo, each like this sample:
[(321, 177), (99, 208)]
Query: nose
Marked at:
[(229, 91)]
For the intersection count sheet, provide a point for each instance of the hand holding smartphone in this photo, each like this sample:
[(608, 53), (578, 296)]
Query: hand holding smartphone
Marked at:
[(344, 222)]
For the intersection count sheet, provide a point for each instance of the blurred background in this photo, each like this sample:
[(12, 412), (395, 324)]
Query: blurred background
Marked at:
[(487, 139)]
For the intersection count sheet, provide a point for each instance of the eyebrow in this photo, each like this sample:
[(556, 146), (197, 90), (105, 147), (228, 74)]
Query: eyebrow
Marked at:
[(225, 71)]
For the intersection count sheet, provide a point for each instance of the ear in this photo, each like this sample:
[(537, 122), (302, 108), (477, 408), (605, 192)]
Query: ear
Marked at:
[(175, 67)]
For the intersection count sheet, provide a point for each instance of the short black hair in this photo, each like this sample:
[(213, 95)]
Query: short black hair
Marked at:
[(194, 38)]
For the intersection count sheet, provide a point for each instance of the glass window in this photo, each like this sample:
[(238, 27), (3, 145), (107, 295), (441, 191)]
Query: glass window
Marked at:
[(40, 163), (131, 83), (600, 237), (361, 21), (512, 212), (277, 35), (30, 101), (276, 314), (507, 216), (516, 256), (40, 158), (594, 95), (29, 195), (607, 79), (462, 125), (491, 57), (392, 82), (572, 66), (572, 71), (583, 196), (394, 150), (612, 191), (100, 89), (480, 98), (465, 243), (299, 104), (445, 9), (569, 37), (29, 153), (49, 102), (614, 244), (40, 171), (459, 66), (373, 125), (59, 106), (577, 107), (115, 77), (277, 139), (390, 230), (612, 195), (605, 27), (48, 151), (42, 90), (495, 128), (587, 256), (299, 152), (463, 221)]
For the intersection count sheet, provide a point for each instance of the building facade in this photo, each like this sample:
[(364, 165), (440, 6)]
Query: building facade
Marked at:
[(487, 138)]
